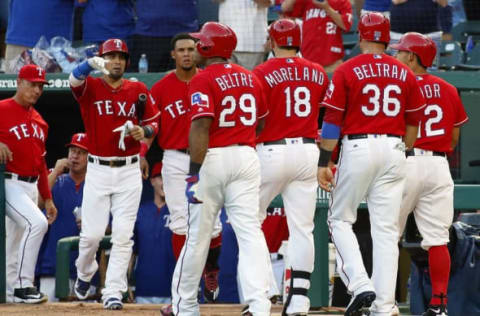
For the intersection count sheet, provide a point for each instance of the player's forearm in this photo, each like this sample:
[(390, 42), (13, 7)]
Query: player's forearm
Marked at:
[(198, 139), (79, 73), (455, 137), (260, 126), (410, 135), (287, 5), (336, 17)]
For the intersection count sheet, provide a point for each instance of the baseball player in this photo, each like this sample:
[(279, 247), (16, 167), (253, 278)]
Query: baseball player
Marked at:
[(226, 102), (67, 192), (429, 186), (376, 101), (294, 88), (323, 24), (171, 97), (23, 134), (111, 109)]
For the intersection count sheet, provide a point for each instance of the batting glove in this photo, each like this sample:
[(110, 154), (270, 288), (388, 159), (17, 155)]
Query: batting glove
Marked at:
[(98, 63), (124, 131), (192, 187)]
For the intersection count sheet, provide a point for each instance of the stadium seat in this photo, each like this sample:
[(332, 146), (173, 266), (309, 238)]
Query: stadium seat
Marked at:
[(451, 55), (461, 31), (472, 59), (352, 52)]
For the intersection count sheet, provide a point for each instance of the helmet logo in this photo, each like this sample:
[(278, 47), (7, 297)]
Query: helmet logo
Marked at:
[(377, 35), (118, 43), (289, 41)]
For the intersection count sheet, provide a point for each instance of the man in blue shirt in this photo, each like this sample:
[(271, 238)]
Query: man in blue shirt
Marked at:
[(67, 192), (29, 20)]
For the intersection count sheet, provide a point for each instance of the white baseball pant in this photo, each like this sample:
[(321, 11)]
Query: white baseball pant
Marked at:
[(371, 168), (230, 177), (291, 169), (21, 207), (108, 190)]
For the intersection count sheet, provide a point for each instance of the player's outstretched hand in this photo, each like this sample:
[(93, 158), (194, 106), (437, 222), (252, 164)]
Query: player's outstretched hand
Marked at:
[(144, 167), (191, 190), (137, 132), (325, 178), (51, 211), (99, 63), (5, 154)]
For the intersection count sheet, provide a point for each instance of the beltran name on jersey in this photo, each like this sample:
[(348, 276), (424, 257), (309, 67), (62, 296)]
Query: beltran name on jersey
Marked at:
[(293, 73), (374, 70)]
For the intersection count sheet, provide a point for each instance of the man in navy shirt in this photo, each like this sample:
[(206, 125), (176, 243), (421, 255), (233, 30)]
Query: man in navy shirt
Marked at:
[(152, 246), (67, 192)]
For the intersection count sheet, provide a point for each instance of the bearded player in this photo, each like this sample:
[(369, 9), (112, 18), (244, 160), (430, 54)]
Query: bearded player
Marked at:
[(376, 101), (428, 191), (294, 88), (171, 97), (111, 113), (226, 101)]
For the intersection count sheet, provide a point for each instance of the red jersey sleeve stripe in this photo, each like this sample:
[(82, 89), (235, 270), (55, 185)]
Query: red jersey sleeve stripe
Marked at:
[(461, 123), (332, 106), (416, 109), (151, 118), (262, 116), (202, 114)]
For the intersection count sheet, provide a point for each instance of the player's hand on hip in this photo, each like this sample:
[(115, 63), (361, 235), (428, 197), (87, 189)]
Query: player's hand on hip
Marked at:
[(325, 178), (51, 211), (137, 132), (144, 167), (5, 154), (99, 63), (192, 187)]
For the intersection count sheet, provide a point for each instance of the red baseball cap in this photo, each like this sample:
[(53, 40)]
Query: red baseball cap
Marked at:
[(32, 73), (78, 140), (156, 170)]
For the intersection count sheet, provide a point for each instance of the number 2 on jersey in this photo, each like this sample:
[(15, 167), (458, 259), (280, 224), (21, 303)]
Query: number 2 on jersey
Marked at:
[(246, 103), (436, 118)]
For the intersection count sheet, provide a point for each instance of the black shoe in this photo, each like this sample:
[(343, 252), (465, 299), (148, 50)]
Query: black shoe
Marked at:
[(113, 303), (29, 295), (360, 304), (436, 310), (246, 312), (81, 289)]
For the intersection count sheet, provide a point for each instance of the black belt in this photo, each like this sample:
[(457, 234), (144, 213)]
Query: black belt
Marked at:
[(282, 141), (21, 178), (184, 150), (112, 163), (360, 136), (434, 153)]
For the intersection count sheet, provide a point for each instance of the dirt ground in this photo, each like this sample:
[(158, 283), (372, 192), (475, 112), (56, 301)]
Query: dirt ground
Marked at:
[(74, 309)]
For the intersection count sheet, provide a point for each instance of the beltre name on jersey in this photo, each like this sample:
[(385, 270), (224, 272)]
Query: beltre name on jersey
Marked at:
[(373, 70), (294, 73), (233, 80)]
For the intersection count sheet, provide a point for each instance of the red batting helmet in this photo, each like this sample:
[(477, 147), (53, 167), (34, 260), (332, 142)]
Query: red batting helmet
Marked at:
[(215, 40), (285, 32), (114, 45), (374, 27), (421, 45)]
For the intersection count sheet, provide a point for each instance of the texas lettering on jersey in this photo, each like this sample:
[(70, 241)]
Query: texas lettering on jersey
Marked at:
[(171, 98), (443, 112), (294, 89), (233, 97)]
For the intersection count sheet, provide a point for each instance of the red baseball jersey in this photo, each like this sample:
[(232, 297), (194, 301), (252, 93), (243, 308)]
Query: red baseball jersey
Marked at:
[(24, 131), (275, 228), (233, 97), (377, 94), (104, 108), (294, 89), (171, 97), (443, 112), (321, 38)]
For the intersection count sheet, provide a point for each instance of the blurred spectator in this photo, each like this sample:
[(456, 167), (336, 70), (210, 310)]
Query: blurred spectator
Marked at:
[(28, 20), (458, 12), (364, 6), (248, 18), (432, 18), (67, 193), (104, 19), (472, 9), (155, 260), (323, 24), (157, 23)]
